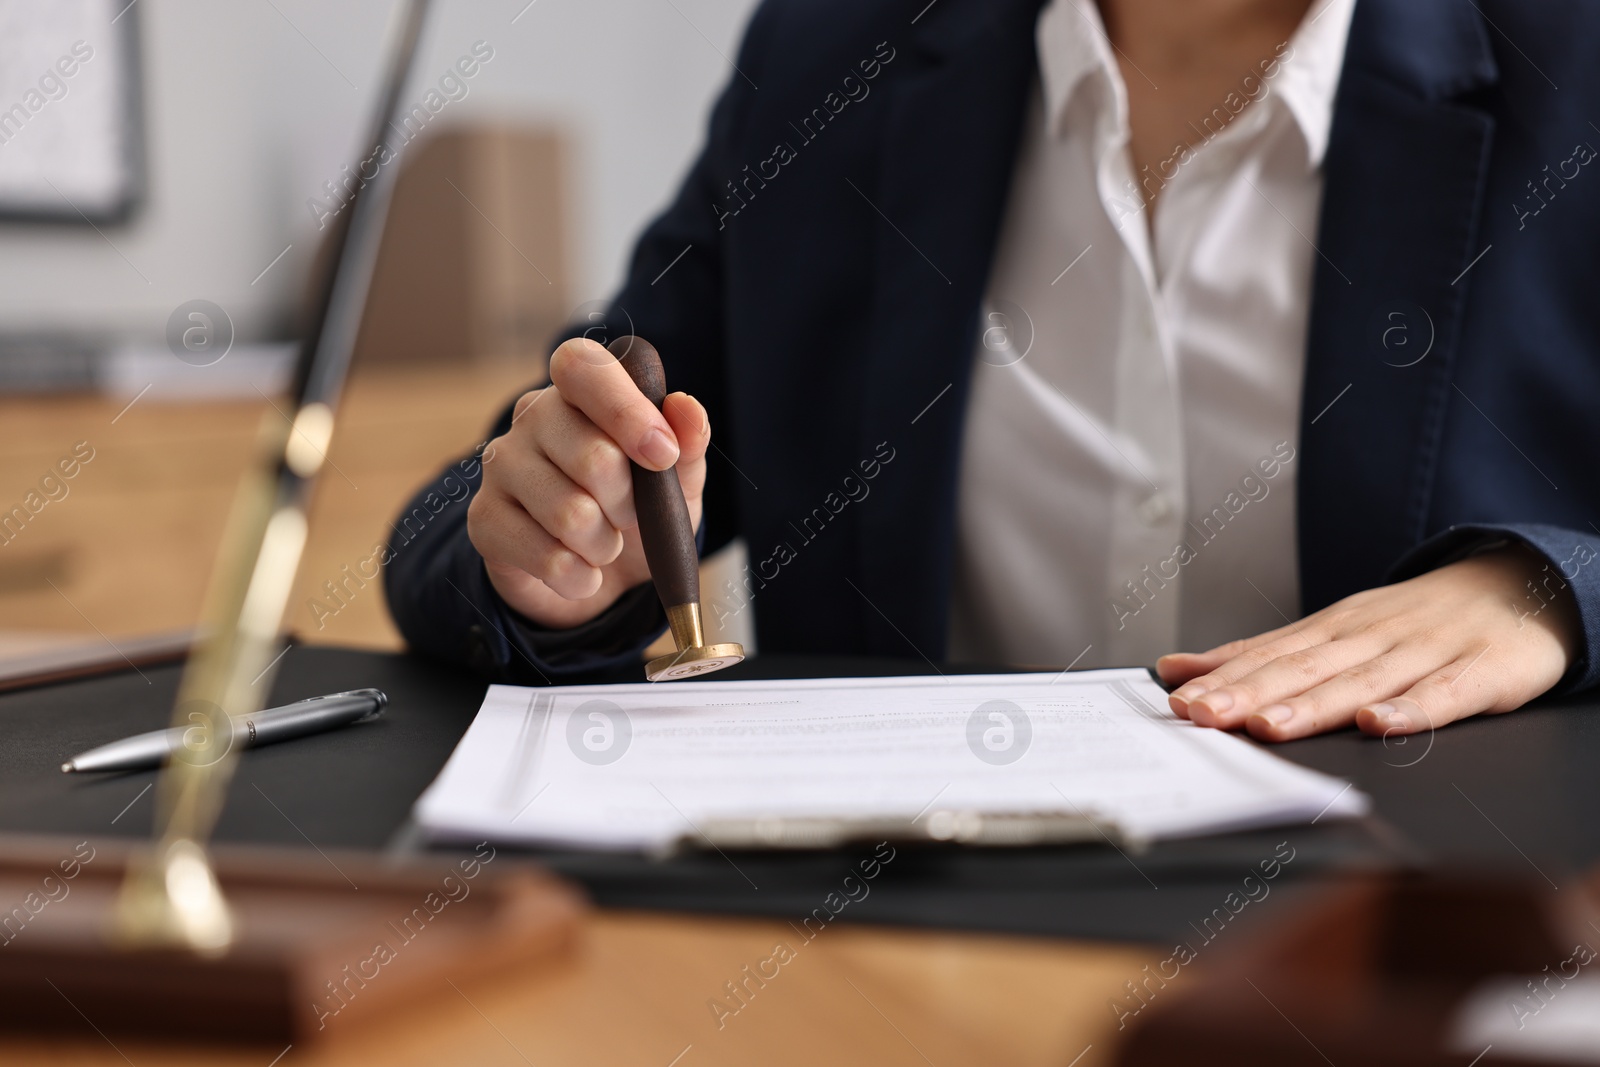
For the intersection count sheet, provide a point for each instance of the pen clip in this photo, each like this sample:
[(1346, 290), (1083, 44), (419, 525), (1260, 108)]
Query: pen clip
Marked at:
[(380, 698)]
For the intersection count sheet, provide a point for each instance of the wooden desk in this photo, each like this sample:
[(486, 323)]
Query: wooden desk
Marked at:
[(635, 993), (129, 548)]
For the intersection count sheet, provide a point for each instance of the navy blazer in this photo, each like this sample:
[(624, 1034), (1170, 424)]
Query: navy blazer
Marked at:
[(816, 283)]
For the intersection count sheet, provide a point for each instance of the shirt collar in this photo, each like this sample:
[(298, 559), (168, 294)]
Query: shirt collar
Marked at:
[(1308, 76), (1072, 45)]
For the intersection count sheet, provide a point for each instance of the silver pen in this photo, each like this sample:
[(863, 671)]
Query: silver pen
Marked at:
[(310, 716)]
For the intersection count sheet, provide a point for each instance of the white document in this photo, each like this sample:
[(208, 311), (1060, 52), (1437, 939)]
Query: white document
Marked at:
[(639, 767)]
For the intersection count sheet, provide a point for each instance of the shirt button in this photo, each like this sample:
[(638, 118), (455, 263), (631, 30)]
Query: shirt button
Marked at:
[(1154, 509)]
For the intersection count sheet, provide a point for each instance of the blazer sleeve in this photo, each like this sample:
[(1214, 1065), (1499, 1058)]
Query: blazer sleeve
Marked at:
[(1572, 559), (439, 594)]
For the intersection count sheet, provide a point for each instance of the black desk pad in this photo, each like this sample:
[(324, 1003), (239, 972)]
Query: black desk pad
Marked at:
[(1518, 794)]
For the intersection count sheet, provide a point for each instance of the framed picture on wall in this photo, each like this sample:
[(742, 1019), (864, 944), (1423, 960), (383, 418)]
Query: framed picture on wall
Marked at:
[(71, 140)]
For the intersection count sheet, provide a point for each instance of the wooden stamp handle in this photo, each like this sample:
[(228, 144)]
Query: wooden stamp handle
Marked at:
[(664, 527)]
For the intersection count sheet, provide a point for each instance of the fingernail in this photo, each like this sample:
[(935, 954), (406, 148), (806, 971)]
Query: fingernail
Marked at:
[(1217, 702), (1391, 717), (1278, 714), (679, 399), (1189, 692), (657, 448)]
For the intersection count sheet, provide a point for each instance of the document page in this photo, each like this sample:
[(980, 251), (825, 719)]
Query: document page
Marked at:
[(639, 767)]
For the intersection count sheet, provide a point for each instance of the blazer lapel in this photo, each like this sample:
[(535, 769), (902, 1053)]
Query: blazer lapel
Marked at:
[(1404, 182), (935, 204)]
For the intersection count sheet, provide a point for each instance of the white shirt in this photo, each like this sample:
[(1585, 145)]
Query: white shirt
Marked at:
[(1127, 483)]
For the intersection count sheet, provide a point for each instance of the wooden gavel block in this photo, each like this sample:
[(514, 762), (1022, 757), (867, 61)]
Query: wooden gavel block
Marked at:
[(1372, 971)]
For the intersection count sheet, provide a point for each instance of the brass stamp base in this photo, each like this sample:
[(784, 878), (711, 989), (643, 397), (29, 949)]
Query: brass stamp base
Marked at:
[(693, 661)]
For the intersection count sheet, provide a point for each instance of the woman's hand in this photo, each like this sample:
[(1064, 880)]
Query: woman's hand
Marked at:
[(1473, 636), (554, 520)]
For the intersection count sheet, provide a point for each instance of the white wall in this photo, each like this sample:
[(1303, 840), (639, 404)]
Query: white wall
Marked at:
[(250, 105)]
